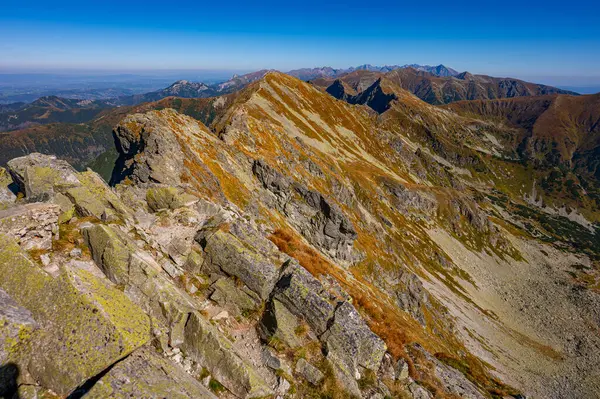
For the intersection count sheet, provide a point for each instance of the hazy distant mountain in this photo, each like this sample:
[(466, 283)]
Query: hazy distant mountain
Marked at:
[(238, 82), (328, 72), (439, 70)]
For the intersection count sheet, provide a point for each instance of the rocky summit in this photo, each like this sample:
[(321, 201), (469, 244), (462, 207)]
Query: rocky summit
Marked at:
[(297, 240)]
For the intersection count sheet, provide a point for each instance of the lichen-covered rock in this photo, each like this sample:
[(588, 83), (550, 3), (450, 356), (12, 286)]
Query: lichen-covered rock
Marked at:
[(303, 295), (309, 372), (85, 323), (7, 197), (16, 326), (33, 225), (110, 251), (145, 374), (40, 176), (229, 296), (95, 198), (168, 198), (240, 259), (351, 343), (206, 345), (279, 323), (143, 279), (148, 150)]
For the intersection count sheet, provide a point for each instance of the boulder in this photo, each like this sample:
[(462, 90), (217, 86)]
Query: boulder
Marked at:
[(86, 324), (206, 345), (146, 374), (40, 176), (110, 251), (159, 198), (229, 296), (95, 198), (350, 343), (303, 295), (240, 259), (33, 225), (279, 323), (309, 372)]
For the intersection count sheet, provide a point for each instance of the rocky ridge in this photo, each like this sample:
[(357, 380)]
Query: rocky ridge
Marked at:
[(298, 246)]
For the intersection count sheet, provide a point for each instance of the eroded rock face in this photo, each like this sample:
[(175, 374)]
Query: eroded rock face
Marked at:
[(159, 155), (454, 381), (320, 220)]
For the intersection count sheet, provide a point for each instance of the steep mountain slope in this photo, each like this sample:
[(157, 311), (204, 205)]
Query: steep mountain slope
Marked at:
[(442, 90), (557, 133)]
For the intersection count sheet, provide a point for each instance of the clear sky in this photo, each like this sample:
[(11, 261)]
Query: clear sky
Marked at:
[(529, 39)]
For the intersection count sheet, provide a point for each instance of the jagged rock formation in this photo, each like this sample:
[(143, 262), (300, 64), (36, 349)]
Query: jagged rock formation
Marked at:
[(299, 246)]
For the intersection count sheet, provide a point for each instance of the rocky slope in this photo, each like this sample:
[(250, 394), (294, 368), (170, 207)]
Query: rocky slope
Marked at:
[(286, 243)]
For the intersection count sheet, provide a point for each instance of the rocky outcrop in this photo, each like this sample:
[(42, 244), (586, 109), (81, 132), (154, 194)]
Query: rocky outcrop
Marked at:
[(40, 176), (145, 374), (453, 380), (206, 345), (320, 220), (76, 311), (146, 154)]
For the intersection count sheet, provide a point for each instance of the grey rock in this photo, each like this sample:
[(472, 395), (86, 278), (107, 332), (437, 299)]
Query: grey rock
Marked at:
[(411, 296), (206, 345), (33, 225), (350, 343), (146, 374), (16, 324), (149, 151), (40, 176), (320, 220), (7, 197), (304, 296), (240, 259), (309, 372), (453, 380), (279, 323), (229, 296)]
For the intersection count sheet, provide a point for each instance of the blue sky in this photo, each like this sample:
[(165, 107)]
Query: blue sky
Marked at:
[(528, 39)]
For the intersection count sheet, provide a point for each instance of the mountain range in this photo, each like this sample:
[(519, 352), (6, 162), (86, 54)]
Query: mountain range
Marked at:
[(335, 238)]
